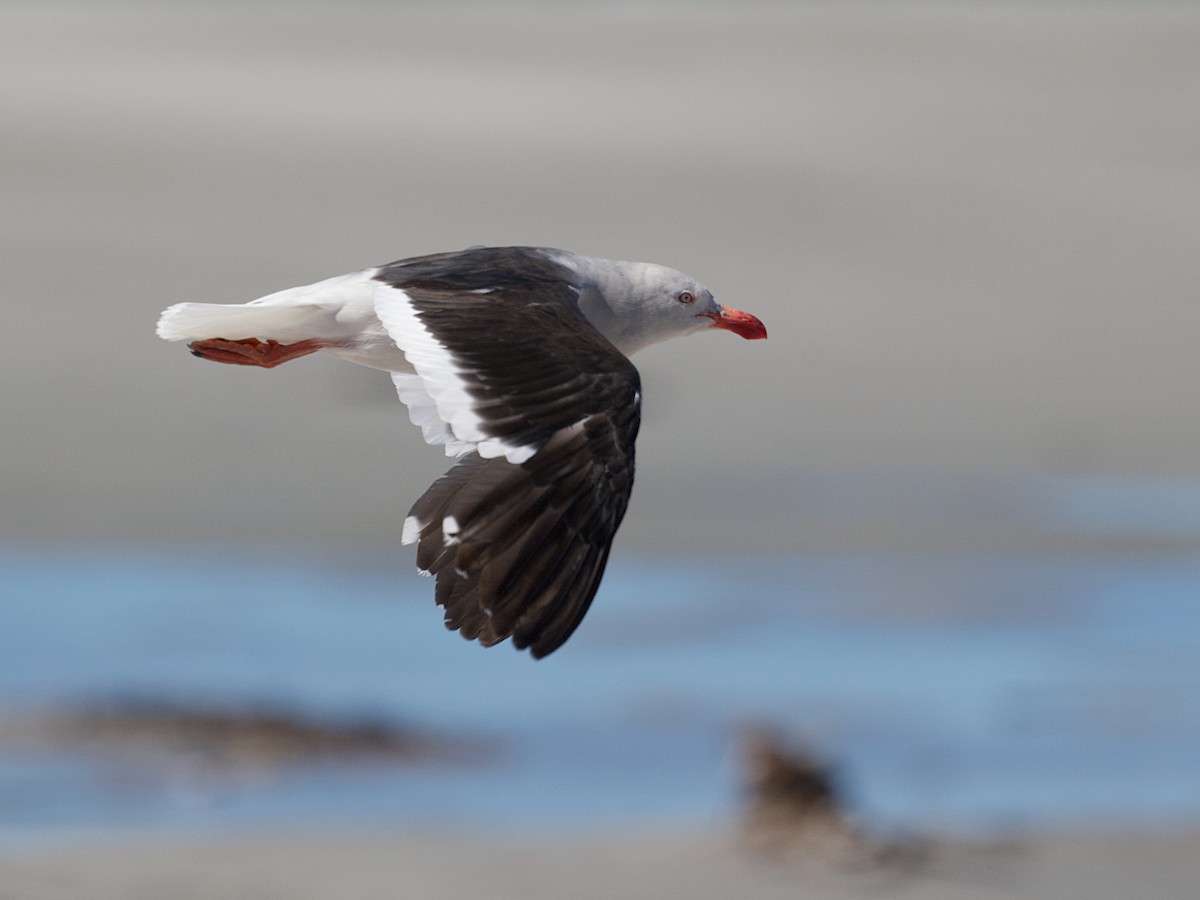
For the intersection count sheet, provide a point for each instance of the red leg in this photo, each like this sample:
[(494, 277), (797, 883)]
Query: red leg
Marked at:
[(252, 351)]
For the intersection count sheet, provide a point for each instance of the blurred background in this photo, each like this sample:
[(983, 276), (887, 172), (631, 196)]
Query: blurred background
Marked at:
[(942, 528)]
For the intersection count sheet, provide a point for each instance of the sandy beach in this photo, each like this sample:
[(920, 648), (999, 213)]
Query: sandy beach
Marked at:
[(1151, 866), (970, 229)]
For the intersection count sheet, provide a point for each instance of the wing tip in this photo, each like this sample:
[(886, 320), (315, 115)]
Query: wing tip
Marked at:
[(412, 532)]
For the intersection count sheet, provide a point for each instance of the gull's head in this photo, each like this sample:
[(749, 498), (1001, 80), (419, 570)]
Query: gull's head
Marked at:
[(636, 304), (675, 304)]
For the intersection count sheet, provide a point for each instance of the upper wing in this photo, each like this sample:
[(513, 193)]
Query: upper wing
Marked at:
[(517, 532)]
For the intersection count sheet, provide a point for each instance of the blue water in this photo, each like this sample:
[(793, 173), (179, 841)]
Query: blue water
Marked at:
[(952, 691)]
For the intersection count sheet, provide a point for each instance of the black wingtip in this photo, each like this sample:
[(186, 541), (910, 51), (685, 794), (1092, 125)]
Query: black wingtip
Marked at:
[(532, 543)]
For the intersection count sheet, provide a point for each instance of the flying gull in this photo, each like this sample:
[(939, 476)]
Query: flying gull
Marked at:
[(515, 360)]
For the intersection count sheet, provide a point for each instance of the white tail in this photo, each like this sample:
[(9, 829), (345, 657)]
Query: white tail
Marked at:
[(200, 321), (328, 310)]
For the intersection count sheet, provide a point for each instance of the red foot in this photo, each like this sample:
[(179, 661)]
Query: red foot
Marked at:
[(252, 351)]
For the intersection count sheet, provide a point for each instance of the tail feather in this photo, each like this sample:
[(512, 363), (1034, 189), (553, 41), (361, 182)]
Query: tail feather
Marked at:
[(200, 321), (328, 310)]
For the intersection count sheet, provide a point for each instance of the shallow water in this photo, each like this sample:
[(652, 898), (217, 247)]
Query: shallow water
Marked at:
[(975, 692)]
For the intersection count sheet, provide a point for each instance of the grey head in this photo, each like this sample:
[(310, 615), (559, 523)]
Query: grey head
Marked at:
[(636, 304)]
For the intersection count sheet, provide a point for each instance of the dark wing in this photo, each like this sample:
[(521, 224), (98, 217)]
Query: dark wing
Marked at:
[(517, 533)]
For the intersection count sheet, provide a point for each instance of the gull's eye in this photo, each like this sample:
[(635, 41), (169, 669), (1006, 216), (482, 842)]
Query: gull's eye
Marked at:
[(686, 298)]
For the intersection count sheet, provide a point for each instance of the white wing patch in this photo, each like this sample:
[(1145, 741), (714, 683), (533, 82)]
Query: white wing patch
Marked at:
[(437, 397), (422, 411)]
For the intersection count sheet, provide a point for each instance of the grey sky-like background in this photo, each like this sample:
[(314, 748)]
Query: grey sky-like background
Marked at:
[(973, 231)]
